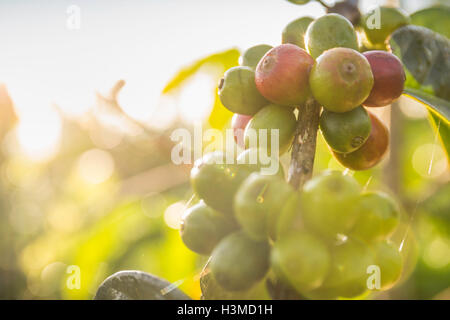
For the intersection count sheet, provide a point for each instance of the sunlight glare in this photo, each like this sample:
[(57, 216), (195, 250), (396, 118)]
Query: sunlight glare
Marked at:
[(39, 134), (197, 98), (173, 214)]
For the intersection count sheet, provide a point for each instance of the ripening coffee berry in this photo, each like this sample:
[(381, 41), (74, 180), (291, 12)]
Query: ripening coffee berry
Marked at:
[(390, 262), (381, 22), (269, 118), (238, 124), (238, 93), (328, 32), (371, 152), (389, 78), (258, 202), (328, 204), (301, 260), (295, 31), (202, 228), (216, 182), (378, 216), (345, 132), (282, 75), (252, 56), (341, 79), (238, 262)]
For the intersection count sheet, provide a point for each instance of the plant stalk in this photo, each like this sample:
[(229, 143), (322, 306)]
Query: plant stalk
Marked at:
[(300, 171), (304, 144)]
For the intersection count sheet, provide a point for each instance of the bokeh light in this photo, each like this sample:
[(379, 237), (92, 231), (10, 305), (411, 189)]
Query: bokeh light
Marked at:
[(95, 166), (174, 213), (429, 160)]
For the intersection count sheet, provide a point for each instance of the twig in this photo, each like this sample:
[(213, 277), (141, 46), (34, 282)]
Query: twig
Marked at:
[(304, 145), (323, 4)]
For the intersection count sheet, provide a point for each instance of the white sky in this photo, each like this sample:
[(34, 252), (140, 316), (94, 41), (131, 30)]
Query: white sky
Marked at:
[(143, 42)]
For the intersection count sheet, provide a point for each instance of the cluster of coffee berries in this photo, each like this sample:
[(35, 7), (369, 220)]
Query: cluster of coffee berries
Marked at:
[(319, 60), (321, 242)]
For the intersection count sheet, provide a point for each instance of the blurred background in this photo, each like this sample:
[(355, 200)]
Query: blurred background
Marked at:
[(86, 177)]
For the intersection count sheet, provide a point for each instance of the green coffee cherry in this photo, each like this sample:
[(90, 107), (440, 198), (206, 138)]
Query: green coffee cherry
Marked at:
[(378, 216), (301, 260), (381, 22), (238, 262), (251, 57), (216, 182), (341, 79), (345, 132), (202, 228), (269, 118), (328, 203), (211, 290), (290, 219), (258, 203), (238, 93), (299, 1), (371, 152), (348, 273), (390, 262), (328, 32), (259, 160), (295, 31)]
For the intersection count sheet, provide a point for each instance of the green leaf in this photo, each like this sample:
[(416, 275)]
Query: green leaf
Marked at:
[(436, 18), (438, 107), (225, 60), (137, 285), (443, 131), (424, 54)]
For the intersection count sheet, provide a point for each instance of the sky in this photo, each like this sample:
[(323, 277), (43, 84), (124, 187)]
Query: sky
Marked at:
[(49, 57), (44, 61)]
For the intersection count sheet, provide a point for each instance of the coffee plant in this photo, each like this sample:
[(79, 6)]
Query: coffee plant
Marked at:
[(296, 235)]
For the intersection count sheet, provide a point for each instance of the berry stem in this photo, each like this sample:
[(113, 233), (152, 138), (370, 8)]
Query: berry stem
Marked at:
[(323, 4), (300, 171), (304, 145)]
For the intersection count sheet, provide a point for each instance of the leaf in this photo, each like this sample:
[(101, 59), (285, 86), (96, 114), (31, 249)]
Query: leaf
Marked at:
[(425, 55), (225, 59), (439, 107), (435, 18), (443, 131), (137, 285)]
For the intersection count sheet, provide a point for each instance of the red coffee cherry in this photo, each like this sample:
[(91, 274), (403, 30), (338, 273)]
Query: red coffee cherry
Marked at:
[(282, 75), (238, 123), (389, 78), (372, 151)]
